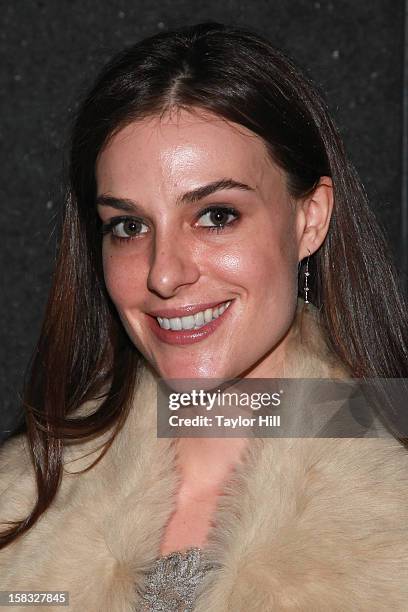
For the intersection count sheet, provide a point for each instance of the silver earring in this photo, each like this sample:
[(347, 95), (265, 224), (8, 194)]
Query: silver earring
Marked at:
[(307, 274)]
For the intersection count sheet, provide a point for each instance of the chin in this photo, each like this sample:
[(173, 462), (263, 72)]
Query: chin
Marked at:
[(186, 385), (205, 377)]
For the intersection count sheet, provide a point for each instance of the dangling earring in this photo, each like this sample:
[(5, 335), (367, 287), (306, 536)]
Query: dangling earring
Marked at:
[(307, 274)]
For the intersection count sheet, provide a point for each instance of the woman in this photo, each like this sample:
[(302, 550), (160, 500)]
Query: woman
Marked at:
[(204, 171)]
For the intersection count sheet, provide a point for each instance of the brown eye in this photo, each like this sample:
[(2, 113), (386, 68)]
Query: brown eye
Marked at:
[(128, 228), (217, 217)]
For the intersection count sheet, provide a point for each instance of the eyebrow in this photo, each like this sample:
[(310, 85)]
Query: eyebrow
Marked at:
[(190, 197)]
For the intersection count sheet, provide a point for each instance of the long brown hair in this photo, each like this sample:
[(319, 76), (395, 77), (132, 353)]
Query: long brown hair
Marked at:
[(238, 75)]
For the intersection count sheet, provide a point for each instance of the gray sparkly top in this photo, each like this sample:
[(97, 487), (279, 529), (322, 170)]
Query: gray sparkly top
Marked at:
[(172, 583)]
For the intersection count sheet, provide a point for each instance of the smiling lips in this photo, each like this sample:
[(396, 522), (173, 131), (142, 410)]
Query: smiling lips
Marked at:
[(193, 321), (190, 328)]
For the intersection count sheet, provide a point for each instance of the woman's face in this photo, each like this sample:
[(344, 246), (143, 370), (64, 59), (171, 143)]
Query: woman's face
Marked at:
[(201, 247)]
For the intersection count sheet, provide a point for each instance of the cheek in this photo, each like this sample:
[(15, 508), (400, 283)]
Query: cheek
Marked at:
[(267, 260), (124, 277)]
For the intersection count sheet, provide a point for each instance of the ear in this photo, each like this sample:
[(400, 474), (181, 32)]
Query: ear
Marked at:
[(313, 217)]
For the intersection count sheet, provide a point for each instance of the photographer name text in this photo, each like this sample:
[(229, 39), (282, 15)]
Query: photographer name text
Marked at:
[(227, 422)]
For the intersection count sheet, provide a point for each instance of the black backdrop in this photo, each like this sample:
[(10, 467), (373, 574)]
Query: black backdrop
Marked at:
[(51, 50)]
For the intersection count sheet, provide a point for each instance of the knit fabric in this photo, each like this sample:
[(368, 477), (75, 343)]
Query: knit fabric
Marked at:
[(172, 584)]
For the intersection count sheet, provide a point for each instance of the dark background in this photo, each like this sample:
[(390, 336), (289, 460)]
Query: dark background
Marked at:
[(52, 50)]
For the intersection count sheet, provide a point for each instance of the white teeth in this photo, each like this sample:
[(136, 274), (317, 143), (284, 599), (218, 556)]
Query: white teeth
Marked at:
[(193, 321), (208, 315), (221, 309), (175, 324), (187, 322), (199, 319)]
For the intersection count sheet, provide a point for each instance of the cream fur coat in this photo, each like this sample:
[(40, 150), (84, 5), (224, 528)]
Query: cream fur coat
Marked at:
[(303, 524)]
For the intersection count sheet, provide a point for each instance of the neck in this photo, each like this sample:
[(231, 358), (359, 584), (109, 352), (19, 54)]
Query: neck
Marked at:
[(205, 463)]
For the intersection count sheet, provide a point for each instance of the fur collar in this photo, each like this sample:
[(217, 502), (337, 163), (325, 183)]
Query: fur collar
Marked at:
[(303, 524)]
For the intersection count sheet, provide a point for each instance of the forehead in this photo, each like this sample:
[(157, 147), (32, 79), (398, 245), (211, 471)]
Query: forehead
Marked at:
[(183, 147)]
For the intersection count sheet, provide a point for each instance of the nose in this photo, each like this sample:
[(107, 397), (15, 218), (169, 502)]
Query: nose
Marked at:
[(172, 266)]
